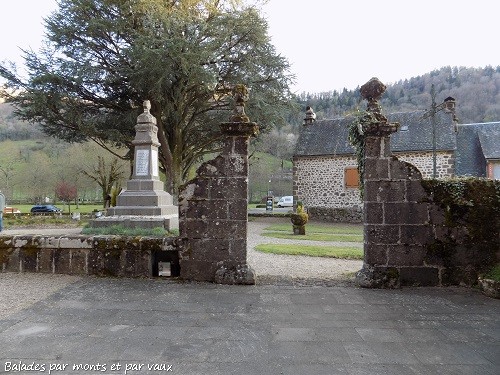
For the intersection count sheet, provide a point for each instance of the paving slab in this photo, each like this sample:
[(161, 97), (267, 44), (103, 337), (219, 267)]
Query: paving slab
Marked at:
[(143, 326)]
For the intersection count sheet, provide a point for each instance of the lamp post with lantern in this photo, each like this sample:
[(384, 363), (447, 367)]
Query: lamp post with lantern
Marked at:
[(448, 105)]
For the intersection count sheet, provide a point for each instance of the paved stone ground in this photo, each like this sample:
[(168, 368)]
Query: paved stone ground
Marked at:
[(57, 320), (215, 329)]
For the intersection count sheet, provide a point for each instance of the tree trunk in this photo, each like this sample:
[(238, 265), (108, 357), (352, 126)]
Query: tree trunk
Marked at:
[(167, 159)]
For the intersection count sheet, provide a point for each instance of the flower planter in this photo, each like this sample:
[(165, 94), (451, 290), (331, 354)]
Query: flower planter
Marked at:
[(299, 221)]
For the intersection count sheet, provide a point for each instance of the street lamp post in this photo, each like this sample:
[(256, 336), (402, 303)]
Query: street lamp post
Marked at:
[(448, 105), (433, 111)]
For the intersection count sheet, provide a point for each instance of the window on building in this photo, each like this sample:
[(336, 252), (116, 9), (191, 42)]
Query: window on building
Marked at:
[(351, 177)]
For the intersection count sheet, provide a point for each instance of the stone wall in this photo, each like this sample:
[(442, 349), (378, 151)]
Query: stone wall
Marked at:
[(445, 162), (409, 238), (88, 255), (336, 215), (319, 182)]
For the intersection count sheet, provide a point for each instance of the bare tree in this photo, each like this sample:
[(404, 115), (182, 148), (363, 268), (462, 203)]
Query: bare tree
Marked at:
[(105, 175)]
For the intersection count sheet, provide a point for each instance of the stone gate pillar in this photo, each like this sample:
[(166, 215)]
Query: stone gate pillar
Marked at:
[(396, 209), (377, 164), (213, 208)]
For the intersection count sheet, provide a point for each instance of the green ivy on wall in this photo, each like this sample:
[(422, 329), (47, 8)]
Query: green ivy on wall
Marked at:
[(357, 139)]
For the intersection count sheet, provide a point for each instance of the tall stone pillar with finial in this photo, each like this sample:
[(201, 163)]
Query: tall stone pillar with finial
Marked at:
[(396, 210), (213, 207), (144, 203)]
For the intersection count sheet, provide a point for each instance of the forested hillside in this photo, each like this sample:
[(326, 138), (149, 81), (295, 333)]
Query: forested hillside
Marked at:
[(13, 129), (476, 90)]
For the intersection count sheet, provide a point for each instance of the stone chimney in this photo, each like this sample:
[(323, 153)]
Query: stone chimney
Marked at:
[(310, 116)]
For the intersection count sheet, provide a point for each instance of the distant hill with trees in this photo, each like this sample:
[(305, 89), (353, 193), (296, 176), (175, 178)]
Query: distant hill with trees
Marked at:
[(476, 90), (14, 129)]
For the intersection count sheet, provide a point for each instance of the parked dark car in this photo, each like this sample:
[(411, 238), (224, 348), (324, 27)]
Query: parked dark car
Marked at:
[(44, 208)]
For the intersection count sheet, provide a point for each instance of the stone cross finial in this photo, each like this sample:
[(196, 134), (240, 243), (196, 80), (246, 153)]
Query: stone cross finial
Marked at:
[(147, 106)]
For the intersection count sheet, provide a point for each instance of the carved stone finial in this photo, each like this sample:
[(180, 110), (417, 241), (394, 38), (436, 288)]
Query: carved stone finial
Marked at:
[(373, 89), (146, 117), (374, 122), (240, 96)]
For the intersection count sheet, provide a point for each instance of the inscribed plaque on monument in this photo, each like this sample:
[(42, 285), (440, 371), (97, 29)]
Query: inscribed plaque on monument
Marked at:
[(142, 163), (154, 162)]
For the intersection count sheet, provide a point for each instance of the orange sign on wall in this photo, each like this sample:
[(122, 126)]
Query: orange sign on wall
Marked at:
[(489, 171)]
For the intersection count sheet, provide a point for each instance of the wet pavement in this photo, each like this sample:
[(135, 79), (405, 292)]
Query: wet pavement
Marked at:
[(155, 326)]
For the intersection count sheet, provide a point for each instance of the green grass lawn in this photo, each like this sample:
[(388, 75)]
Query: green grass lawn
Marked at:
[(16, 221), (330, 228), (324, 232), (316, 236), (312, 251), (318, 232)]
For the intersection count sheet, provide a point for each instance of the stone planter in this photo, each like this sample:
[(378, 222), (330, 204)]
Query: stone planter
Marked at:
[(490, 288), (299, 221)]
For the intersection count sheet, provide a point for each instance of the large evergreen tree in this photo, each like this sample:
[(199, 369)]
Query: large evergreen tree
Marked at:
[(104, 57)]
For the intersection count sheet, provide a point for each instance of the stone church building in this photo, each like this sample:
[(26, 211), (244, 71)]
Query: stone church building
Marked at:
[(325, 176)]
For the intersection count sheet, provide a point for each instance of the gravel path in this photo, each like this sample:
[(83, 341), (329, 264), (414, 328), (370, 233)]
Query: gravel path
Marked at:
[(28, 288), (273, 268), (42, 231)]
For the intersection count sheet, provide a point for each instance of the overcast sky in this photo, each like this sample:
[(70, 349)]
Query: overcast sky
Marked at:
[(336, 44)]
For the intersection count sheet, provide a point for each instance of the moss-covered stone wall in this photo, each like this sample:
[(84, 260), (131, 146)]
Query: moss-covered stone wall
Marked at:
[(467, 234), (426, 232), (88, 255)]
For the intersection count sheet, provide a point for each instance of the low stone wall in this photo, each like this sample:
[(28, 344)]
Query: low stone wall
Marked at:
[(88, 255), (336, 215), (417, 233)]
